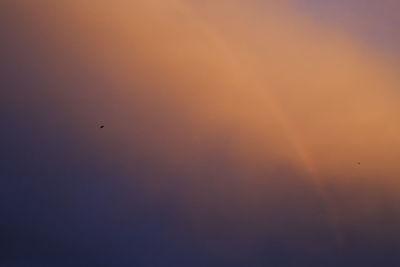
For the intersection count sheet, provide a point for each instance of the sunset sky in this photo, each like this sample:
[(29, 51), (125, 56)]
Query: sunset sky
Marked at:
[(236, 133)]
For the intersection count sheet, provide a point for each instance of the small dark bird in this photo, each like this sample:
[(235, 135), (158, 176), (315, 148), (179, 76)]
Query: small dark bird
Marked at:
[(101, 126)]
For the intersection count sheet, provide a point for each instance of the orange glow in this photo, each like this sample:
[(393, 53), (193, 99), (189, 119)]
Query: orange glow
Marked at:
[(182, 82)]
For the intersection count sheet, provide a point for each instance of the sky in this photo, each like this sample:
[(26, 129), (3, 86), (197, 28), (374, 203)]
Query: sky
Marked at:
[(236, 133)]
